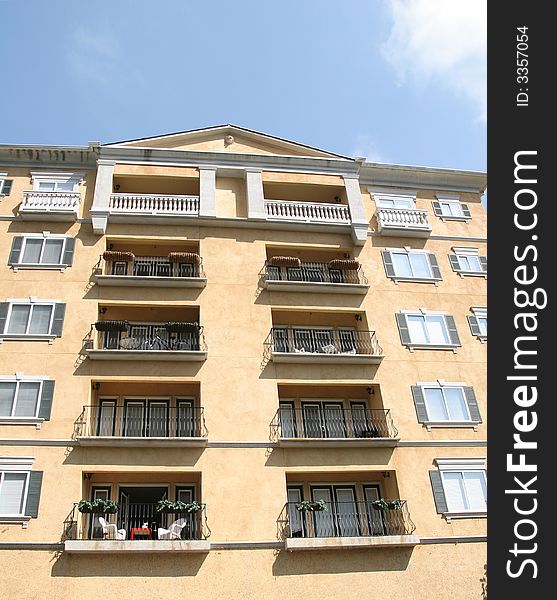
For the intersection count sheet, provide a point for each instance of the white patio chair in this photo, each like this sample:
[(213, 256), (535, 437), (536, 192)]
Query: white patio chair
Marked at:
[(175, 531), (110, 531)]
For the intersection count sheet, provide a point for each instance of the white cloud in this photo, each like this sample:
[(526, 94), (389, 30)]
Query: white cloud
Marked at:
[(365, 147), (441, 41)]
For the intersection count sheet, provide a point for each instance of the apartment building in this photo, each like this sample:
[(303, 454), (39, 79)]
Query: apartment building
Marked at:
[(233, 365)]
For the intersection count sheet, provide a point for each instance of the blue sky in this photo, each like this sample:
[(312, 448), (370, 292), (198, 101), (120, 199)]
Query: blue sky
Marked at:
[(398, 81)]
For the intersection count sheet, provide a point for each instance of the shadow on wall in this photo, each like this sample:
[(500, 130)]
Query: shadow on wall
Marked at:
[(316, 457), (147, 457), (339, 561), (127, 565)]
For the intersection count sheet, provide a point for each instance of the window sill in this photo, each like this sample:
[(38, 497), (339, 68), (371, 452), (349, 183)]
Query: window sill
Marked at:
[(429, 425), (19, 337), (413, 347), (38, 267), (473, 274), (15, 520), (416, 279), (22, 421), (472, 514), (454, 218)]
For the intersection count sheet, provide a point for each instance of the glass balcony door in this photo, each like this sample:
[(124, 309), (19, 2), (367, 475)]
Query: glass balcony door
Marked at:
[(146, 418), (341, 515), (287, 420), (186, 425), (376, 522), (106, 417), (296, 518), (323, 420)]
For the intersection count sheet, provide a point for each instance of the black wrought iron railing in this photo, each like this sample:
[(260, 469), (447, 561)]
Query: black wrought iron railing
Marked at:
[(327, 420), (322, 340), (149, 266), (345, 519), (135, 521), (312, 272), (143, 419)]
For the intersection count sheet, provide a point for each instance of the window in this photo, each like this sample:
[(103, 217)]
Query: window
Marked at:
[(466, 261), (25, 398), (5, 185), (450, 208), (55, 181), (427, 329), (460, 487), (478, 322), (404, 265), (386, 202), (20, 489), (42, 251), (445, 404), (393, 198), (34, 319)]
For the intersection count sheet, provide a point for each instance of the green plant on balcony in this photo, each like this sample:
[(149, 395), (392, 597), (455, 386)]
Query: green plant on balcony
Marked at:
[(177, 506), (309, 506), (382, 504), (99, 506)]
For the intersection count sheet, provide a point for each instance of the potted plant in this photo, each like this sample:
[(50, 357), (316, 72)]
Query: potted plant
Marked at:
[(309, 506), (382, 504), (98, 506), (177, 506)]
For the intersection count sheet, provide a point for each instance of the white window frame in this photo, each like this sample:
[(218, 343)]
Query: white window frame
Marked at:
[(46, 235), (462, 465), (442, 384), (464, 252), (3, 177), (424, 314), (453, 201), (24, 420), (29, 336), (21, 465), (381, 195), (409, 252), (38, 177), (480, 312)]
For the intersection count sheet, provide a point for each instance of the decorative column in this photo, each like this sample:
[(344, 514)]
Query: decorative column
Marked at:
[(357, 211), (103, 189), (207, 191), (254, 193)]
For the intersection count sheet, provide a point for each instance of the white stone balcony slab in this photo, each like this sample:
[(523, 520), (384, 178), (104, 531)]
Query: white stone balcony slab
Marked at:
[(344, 543), (403, 222), (135, 546), (50, 206), (307, 212)]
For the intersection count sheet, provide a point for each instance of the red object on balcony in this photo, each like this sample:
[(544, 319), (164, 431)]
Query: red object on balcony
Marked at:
[(141, 532)]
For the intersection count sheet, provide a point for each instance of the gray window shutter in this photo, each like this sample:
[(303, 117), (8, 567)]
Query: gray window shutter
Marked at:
[(466, 211), (438, 492), (474, 326), (483, 262), (437, 209), (4, 306), (46, 399), (434, 266), (472, 404), (453, 258), (58, 321), (453, 333), (34, 494), (403, 329), (17, 244), (419, 403), (388, 262), (7, 187), (69, 248)]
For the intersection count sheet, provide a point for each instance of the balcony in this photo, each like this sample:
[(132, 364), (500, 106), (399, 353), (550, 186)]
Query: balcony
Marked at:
[(307, 212), (50, 206), (319, 423), (125, 340), (330, 524), (404, 222), (288, 273), (137, 528), (320, 344), (154, 205), (125, 268), (141, 422)]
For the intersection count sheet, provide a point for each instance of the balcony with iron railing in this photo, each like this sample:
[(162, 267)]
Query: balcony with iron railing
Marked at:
[(137, 527), (342, 525), (50, 206), (403, 222), (328, 424), (126, 268), (130, 340), (288, 273), (141, 422), (322, 344)]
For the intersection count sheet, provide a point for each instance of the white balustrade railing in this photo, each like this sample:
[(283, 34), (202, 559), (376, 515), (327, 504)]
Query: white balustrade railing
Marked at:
[(311, 212), (50, 201), (159, 204), (397, 218)]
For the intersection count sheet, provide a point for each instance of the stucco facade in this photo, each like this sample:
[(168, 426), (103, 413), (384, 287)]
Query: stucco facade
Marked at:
[(235, 413)]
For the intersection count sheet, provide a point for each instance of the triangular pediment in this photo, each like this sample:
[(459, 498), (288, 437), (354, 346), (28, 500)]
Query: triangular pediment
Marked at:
[(227, 139)]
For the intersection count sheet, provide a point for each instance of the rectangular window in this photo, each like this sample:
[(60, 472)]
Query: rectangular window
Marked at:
[(446, 404), (55, 186), (428, 329), (465, 490), (451, 208), (395, 202), (411, 264), (30, 319), (19, 398), (469, 262), (13, 486), (47, 251)]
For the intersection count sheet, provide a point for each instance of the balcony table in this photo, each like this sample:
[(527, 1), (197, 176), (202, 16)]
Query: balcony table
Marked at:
[(142, 532)]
